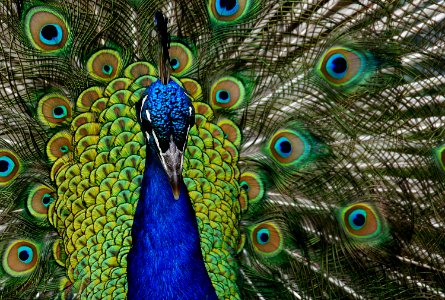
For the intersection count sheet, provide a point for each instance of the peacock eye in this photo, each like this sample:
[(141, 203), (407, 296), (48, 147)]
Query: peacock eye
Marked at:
[(227, 92), (336, 66), (344, 67), (54, 109), (263, 236), (361, 221), (228, 10), (25, 254), (60, 112), (288, 147), (104, 65), (244, 186), (64, 149), (39, 199), (253, 185), (181, 58), (227, 7), (222, 96), (357, 219), (267, 238), (46, 29), (20, 258), (107, 69), (174, 63), (59, 145), (283, 147), (9, 167), (47, 200), (51, 34)]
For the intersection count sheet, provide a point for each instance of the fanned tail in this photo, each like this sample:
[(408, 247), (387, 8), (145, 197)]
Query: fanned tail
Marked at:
[(316, 166)]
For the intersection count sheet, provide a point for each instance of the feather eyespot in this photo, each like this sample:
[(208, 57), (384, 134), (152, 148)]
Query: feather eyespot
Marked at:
[(20, 258), (25, 254), (39, 199), (181, 58), (228, 10), (51, 34), (361, 221), (227, 92), (59, 145), (9, 167), (253, 185), (343, 67), (267, 239), (46, 29), (289, 147), (105, 65), (54, 109), (263, 236)]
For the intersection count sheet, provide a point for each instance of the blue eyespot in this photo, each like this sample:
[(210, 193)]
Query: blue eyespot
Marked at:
[(357, 219), (244, 185), (6, 166), (51, 34), (107, 69), (64, 149), (47, 200), (263, 236), (337, 66), (174, 63), (60, 112), (283, 147), (222, 96), (25, 254), (227, 8)]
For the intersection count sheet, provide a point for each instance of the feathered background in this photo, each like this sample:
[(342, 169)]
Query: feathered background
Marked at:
[(316, 166)]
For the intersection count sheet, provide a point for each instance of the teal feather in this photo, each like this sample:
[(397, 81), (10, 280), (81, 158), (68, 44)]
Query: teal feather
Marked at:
[(316, 162)]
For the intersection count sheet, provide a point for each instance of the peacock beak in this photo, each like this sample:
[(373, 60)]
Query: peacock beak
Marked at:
[(172, 161)]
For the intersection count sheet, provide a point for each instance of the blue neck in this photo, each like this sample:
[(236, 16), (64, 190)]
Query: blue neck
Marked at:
[(165, 261)]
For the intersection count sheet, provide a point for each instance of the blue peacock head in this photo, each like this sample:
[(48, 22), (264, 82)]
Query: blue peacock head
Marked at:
[(166, 115)]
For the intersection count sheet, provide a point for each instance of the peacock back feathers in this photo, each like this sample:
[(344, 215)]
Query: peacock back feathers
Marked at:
[(315, 166)]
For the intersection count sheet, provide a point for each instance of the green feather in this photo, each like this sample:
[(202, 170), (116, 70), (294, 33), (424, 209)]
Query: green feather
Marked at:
[(315, 165)]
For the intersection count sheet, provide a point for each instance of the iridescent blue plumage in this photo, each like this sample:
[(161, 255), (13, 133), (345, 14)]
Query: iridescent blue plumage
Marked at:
[(166, 245), (170, 112)]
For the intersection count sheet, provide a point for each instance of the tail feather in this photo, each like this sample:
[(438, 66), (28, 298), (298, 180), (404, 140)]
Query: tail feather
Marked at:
[(336, 124)]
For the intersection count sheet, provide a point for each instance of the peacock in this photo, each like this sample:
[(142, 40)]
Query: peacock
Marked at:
[(222, 149)]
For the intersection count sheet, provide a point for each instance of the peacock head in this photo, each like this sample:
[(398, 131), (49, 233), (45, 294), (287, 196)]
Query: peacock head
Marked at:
[(166, 114)]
